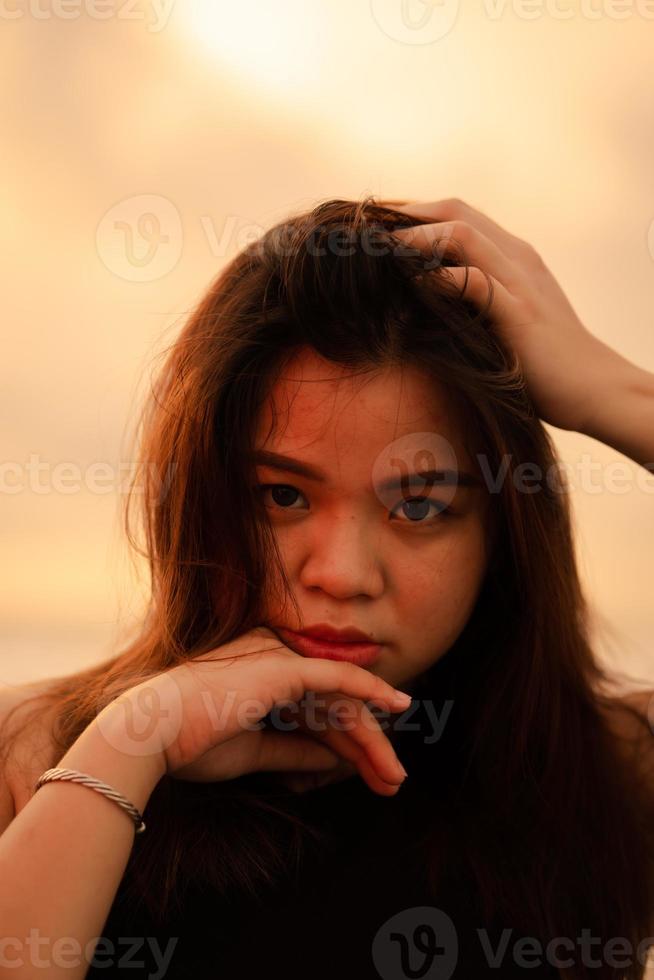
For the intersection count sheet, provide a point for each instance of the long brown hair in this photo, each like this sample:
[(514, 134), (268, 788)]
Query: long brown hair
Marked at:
[(554, 822)]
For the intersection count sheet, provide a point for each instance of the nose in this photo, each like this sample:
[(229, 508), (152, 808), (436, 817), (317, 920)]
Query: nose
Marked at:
[(343, 560)]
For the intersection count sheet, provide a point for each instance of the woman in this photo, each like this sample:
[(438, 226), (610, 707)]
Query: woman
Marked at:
[(400, 358)]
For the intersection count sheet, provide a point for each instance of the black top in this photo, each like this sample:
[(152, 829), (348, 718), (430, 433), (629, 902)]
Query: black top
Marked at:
[(359, 906), (361, 909)]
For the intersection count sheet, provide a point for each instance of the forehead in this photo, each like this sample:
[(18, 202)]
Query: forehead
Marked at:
[(330, 413)]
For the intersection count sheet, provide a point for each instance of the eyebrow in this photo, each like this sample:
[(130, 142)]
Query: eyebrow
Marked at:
[(287, 464)]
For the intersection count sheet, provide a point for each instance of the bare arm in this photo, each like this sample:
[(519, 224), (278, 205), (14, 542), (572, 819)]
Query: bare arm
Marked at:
[(622, 414), (64, 854), (575, 380)]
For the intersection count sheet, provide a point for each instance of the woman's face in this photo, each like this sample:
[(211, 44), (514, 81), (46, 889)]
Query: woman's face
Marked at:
[(357, 555)]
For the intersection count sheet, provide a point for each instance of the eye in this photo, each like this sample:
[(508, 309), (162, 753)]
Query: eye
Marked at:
[(282, 492), (416, 508)]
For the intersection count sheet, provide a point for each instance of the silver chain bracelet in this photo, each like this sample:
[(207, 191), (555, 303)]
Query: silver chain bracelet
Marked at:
[(73, 776)]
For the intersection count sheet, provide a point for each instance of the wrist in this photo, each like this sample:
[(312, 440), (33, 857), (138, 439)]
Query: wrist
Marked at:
[(620, 412), (598, 368), (114, 748)]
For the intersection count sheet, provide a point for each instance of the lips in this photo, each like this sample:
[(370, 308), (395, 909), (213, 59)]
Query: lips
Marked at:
[(329, 644), (323, 631)]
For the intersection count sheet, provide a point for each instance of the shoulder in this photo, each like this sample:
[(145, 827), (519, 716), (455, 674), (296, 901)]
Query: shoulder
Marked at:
[(631, 711), (15, 699), (26, 743), (14, 694), (630, 718)]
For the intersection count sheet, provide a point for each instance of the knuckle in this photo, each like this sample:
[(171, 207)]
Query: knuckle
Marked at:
[(531, 253), (455, 205), (476, 277), (462, 231), (371, 722)]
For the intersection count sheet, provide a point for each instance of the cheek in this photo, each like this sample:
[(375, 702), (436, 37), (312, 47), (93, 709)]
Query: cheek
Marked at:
[(442, 590)]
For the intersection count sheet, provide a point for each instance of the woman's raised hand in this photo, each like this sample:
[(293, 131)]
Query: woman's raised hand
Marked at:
[(209, 712), (566, 367)]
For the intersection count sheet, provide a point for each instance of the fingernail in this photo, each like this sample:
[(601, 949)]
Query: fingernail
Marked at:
[(401, 697)]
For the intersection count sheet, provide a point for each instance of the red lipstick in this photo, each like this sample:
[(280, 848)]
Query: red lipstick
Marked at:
[(328, 643)]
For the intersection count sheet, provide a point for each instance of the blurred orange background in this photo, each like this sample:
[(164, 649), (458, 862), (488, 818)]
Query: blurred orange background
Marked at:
[(144, 145)]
